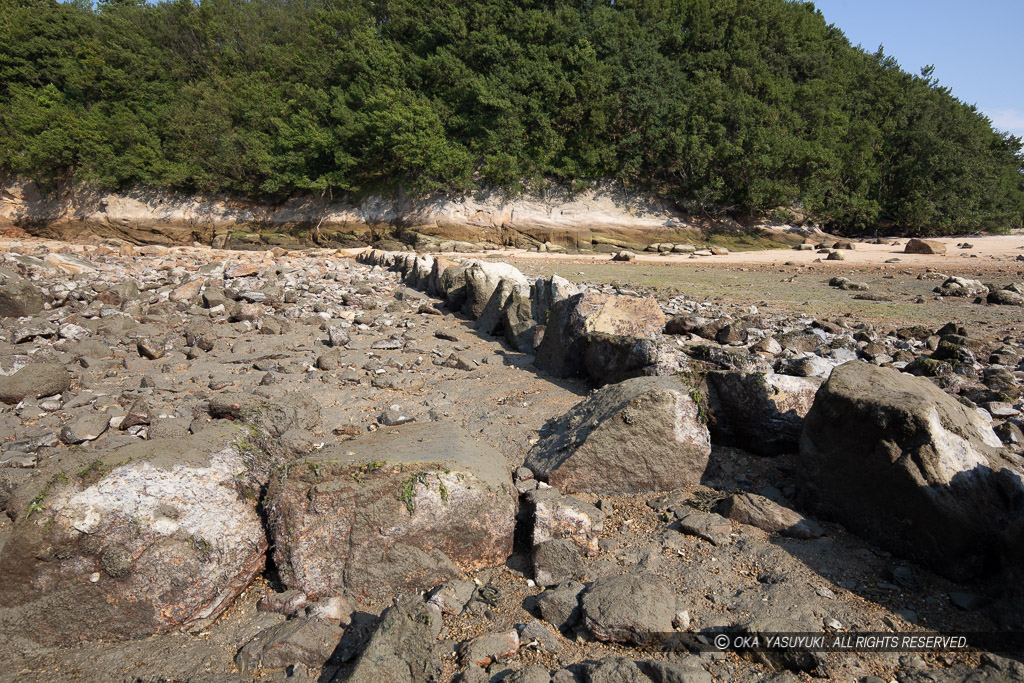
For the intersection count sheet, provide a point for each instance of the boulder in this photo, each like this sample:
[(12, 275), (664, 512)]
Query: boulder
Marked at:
[(1005, 297), (560, 606), (629, 608), (393, 510), (759, 412), (35, 381), (147, 538), (908, 467), (18, 296), (918, 246), (482, 278), (556, 561), (561, 353), (644, 434), (452, 285)]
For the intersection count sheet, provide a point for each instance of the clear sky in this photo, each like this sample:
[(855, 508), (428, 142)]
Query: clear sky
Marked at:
[(977, 46)]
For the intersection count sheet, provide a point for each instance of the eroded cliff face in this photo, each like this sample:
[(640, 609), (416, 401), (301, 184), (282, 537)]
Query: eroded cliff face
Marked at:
[(581, 221)]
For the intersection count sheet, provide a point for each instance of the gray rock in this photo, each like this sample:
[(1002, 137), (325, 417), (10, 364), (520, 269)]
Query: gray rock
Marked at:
[(571, 320), (397, 509), (537, 633), (906, 466), (528, 674), (644, 434), (1005, 297), (401, 649), (274, 413), (481, 281), (453, 596), (490, 648), (674, 672), (959, 286), (710, 526), (490, 318), (309, 642), (34, 381), (560, 606), (18, 296), (765, 514), (629, 608), (556, 561), (614, 670), (87, 427)]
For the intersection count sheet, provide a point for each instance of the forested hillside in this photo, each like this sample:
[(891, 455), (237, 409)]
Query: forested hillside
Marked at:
[(737, 107)]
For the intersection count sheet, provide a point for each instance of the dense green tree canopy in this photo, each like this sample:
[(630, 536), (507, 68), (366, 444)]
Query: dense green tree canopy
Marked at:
[(725, 106)]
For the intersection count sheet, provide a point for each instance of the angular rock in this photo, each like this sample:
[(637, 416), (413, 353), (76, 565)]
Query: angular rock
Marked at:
[(545, 293), (767, 515), (556, 561), (560, 606), (906, 466), (644, 434), (517, 322), (490, 318), (489, 648), (87, 427), (563, 517), (571, 320), (18, 296), (398, 509), (1005, 297), (761, 413), (401, 649), (482, 278), (299, 641), (144, 539), (34, 381), (707, 525), (629, 608)]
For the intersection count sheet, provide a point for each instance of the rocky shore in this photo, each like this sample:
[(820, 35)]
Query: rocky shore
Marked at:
[(397, 466)]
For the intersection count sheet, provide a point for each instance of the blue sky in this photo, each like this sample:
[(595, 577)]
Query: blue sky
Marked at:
[(977, 46)]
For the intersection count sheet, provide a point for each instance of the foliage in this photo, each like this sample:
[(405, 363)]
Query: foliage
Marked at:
[(737, 107)]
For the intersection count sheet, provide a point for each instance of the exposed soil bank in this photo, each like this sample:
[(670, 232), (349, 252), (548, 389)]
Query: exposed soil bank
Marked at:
[(606, 218)]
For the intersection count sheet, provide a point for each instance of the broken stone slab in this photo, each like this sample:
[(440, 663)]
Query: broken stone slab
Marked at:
[(644, 434), (610, 358), (309, 642), (143, 539), (87, 427), (710, 526), (906, 466), (767, 515), (397, 509), (560, 606)]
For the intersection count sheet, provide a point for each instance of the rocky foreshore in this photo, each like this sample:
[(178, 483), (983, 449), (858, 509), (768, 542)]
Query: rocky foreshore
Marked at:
[(404, 467)]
